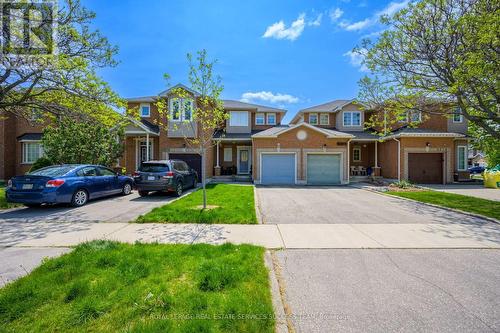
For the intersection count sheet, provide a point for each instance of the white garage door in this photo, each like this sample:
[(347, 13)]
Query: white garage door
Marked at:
[(278, 169), (323, 169)]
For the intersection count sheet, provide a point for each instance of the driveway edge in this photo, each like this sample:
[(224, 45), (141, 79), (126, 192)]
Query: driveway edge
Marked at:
[(491, 219), (256, 200), (281, 325)]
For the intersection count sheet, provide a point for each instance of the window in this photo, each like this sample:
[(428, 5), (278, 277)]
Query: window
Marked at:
[(462, 158), (352, 118), (145, 110), (238, 118), (259, 119), (175, 109), (457, 116), (228, 154), (414, 116), (313, 118), (188, 110), (87, 172), (154, 167), (356, 154), (31, 152), (106, 172), (324, 119), (271, 118)]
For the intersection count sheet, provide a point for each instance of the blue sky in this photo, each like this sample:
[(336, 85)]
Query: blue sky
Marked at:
[(284, 53)]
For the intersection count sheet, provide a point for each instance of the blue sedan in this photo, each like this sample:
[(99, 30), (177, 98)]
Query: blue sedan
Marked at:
[(75, 184)]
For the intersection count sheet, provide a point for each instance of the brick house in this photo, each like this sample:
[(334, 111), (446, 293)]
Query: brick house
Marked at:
[(323, 144)]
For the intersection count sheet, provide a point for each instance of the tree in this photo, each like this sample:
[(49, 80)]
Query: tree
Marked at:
[(444, 53), (57, 83), (82, 142), (207, 111)]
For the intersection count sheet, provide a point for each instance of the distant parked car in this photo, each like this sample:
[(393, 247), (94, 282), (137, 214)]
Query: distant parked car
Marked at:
[(69, 183), (168, 175), (476, 170)]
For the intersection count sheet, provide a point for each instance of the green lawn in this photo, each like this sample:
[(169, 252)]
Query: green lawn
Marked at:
[(106, 286), (3, 202), (466, 203), (234, 205)]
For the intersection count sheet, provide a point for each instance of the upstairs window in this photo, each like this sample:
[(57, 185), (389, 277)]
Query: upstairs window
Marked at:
[(352, 118), (313, 118), (271, 118), (175, 109), (145, 110), (457, 116), (259, 119), (188, 110), (414, 116), (238, 118), (324, 119)]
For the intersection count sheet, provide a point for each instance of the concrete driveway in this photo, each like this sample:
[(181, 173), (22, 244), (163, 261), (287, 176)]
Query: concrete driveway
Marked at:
[(472, 190), (347, 205), (111, 209), (392, 290)]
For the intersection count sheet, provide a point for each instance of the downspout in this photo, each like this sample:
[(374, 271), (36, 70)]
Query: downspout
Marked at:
[(348, 161), (399, 158)]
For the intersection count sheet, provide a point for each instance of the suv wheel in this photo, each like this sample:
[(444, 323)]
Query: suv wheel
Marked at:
[(80, 198), (126, 189), (178, 189), (143, 193)]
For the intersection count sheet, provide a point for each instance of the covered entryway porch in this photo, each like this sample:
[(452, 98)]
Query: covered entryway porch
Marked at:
[(363, 159), (233, 157), (141, 144)]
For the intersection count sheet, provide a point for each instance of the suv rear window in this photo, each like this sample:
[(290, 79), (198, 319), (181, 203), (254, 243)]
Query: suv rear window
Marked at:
[(154, 167)]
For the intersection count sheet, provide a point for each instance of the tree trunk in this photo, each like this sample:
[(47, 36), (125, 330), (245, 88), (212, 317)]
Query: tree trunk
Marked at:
[(203, 176)]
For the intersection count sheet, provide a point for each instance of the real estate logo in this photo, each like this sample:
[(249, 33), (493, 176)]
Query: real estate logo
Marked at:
[(28, 32)]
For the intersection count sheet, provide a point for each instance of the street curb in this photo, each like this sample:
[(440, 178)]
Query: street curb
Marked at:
[(491, 219), (279, 312)]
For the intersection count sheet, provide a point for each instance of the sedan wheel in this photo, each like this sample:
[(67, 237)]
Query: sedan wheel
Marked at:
[(80, 198), (127, 189), (178, 189)]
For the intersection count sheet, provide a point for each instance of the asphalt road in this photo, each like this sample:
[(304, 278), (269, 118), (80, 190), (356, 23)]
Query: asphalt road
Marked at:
[(392, 290)]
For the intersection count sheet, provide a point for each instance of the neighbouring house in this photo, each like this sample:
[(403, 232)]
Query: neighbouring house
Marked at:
[(20, 144), (324, 144), (477, 158)]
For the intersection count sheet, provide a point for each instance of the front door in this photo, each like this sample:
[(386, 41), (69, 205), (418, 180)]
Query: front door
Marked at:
[(143, 155), (244, 160)]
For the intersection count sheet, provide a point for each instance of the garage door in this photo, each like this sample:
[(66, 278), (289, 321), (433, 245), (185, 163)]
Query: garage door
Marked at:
[(323, 169), (278, 169), (193, 160), (425, 168)]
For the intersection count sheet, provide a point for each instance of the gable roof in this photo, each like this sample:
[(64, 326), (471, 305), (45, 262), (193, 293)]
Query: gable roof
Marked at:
[(177, 86), (232, 104), (145, 125), (276, 131)]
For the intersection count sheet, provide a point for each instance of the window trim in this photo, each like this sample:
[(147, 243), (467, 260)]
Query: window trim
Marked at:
[(327, 119), (239, 112), (316, 114), (258, 115), (408, 117), (149, 110), (230, 149), (359, 150), (267, 118), (25, 152), (183, 112), (171, 113), (465, 158), (460, 120), (351, 119)]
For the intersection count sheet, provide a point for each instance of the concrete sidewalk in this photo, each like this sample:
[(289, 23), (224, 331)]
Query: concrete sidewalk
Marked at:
[(289, 236)]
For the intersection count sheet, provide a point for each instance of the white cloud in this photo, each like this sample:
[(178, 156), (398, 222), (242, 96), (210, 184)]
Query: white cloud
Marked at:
[(279, 30), (335, 14), (389, 10), (356, 59), (268, 96), (317, 21)]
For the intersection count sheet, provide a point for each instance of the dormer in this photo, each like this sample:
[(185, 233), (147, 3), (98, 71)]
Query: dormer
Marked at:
[(181, 102)]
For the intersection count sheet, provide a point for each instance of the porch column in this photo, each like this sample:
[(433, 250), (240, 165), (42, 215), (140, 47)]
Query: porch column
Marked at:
[(147, 146), (217, 165)]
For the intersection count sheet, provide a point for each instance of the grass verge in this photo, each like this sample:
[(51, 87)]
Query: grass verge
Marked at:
[(3, 201), (105, 286), (230, 204), (465, 203)]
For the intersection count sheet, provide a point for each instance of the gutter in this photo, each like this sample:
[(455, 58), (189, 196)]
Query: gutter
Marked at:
[(348, 161)]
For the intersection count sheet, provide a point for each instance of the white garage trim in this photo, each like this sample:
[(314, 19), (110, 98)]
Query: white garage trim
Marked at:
[(342, 181), (277, 153)]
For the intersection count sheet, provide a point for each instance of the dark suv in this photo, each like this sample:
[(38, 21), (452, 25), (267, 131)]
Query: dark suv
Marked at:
[(169, 175)]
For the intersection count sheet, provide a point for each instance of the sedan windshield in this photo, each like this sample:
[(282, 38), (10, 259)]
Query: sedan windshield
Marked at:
[(153, 167), (53, 171)]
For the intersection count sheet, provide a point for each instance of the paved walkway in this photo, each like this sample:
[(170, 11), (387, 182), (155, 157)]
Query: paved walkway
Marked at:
[(472, 190), (289, 236)]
